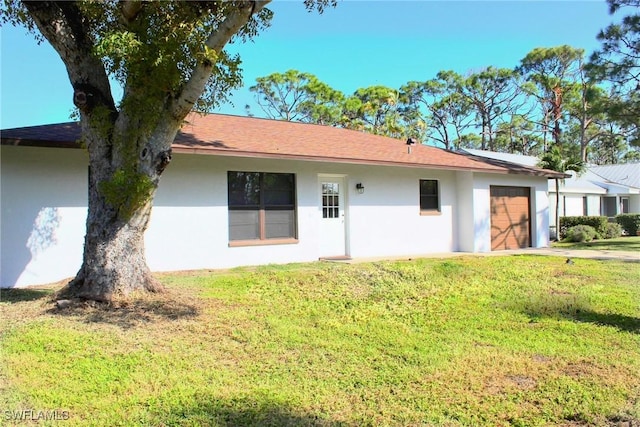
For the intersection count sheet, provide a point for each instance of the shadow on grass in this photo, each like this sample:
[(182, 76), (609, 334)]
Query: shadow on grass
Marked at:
[(131, 313), (244, 412), (12, 295), (566, 305), (623, 323)]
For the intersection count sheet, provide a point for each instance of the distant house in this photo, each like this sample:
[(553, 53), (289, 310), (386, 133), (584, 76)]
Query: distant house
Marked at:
[(600, 190), (247, 191), (622, 183)]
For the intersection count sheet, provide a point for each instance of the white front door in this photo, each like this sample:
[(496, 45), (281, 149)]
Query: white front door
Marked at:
[(332, 211)]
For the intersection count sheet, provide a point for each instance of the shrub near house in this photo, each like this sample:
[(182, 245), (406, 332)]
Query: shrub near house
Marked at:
[(587, 228), (630, 223), (614, 230), (581, 233), (599, 223)]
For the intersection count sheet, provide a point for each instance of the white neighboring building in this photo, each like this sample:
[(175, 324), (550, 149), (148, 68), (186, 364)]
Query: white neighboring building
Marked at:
[(248, 191), (579, 196), (622, 183)]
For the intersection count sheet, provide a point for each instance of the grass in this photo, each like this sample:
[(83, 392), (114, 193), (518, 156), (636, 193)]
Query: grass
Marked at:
[(626, 243), (520, 340)]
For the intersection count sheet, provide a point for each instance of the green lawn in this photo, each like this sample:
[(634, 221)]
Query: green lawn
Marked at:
[(519, 340), (626, 243)]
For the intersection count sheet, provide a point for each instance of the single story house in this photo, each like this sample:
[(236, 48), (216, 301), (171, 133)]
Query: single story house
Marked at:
[(607, 190), (247, 191)]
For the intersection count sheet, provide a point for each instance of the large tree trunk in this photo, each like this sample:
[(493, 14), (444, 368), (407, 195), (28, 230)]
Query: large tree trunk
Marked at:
[(557, 115), (114, 263), (557, 212), (483, 144), (584, 139), (492, 142)]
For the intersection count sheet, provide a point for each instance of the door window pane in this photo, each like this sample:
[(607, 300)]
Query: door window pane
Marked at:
[(330, 200)]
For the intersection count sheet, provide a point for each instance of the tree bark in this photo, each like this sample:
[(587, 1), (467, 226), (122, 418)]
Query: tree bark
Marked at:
[(491, 133), (114, 262), (557, 115), (557, 213), (483, 144)]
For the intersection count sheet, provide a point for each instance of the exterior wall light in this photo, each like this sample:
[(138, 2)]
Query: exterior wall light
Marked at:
[(360, 188)]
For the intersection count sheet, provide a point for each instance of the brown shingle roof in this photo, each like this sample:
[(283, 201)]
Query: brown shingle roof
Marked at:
[(226, 135), (60, 135)]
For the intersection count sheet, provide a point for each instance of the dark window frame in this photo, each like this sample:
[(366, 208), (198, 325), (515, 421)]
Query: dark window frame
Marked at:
[(263, 206), (429, 198)]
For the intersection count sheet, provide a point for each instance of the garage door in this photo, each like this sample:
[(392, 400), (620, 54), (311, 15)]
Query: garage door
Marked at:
[(510, 218)]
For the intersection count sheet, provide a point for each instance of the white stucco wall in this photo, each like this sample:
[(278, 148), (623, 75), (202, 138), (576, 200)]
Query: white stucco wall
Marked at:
[(634, 203), (573, 205), (43, 213), (384, 220), (44, 210), (465, 231)]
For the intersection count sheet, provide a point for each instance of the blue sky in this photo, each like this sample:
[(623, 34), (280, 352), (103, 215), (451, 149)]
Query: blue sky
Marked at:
[(357, 44)]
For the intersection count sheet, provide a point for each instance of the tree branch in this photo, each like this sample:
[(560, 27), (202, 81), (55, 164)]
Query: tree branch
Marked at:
[(191, 90), (64, 26), (130, 10)]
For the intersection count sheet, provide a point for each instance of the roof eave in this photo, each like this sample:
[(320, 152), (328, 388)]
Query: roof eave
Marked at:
[(26, 142), (252, 154), (177, 148), (557, 175)]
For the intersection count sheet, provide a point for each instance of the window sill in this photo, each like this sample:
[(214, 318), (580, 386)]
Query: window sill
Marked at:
[(267, 242), (430, 213)]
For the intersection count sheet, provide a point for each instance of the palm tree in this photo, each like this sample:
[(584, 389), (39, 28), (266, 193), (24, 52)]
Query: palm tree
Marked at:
[(555, 159)]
